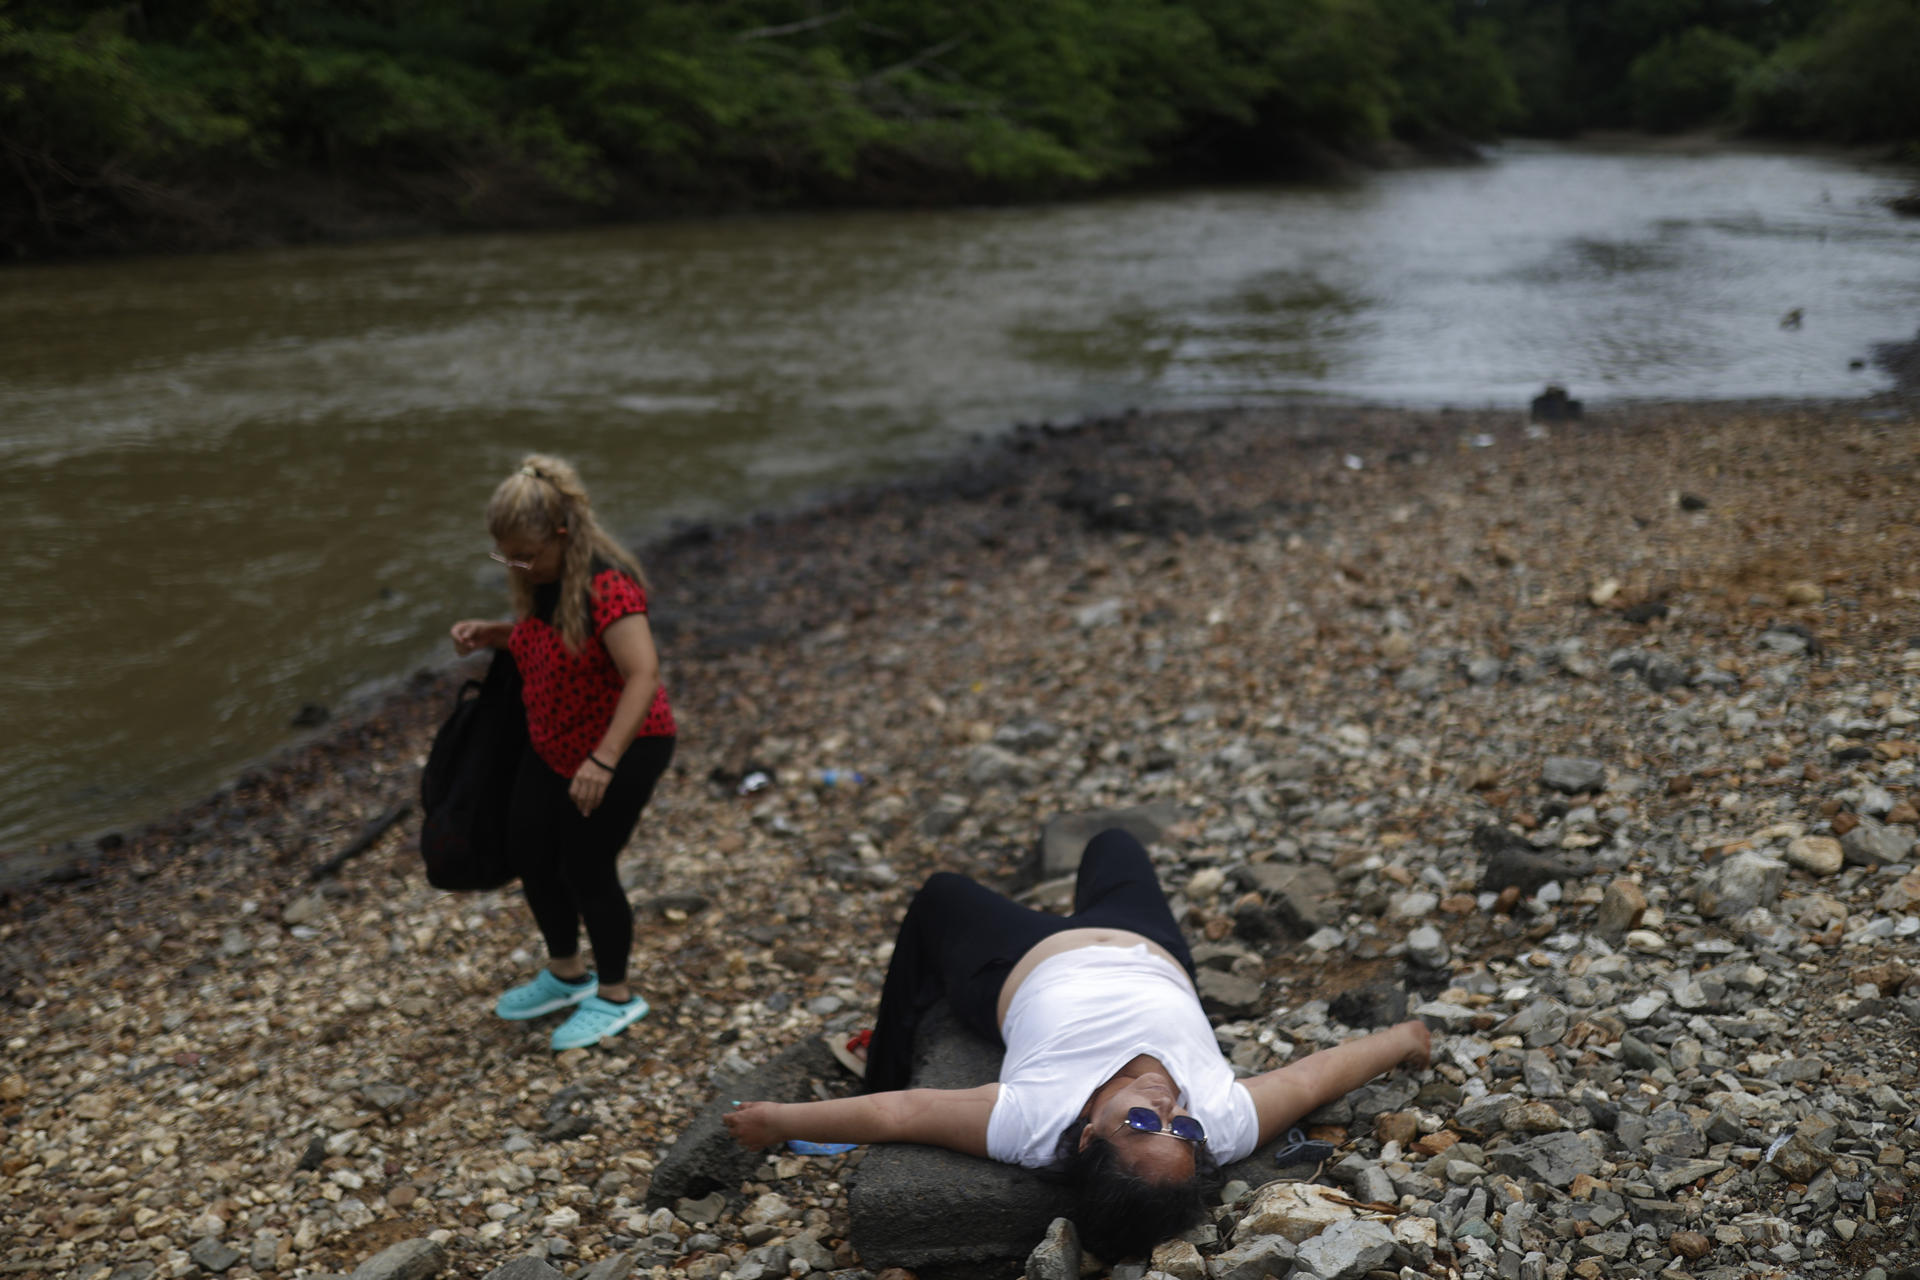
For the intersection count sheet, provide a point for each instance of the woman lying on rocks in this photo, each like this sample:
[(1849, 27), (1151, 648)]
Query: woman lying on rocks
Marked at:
[(1112, 1078)]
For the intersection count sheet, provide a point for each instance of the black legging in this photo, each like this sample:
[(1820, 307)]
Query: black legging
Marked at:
[(961, 939), (568, 864)]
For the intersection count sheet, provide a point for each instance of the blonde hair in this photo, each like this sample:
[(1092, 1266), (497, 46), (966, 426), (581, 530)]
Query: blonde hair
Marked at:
[(540, 499)]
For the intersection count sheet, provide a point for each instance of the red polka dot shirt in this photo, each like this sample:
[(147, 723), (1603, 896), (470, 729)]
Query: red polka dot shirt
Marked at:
[(570, 696)]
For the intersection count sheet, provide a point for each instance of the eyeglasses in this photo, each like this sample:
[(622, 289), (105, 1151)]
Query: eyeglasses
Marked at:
[(1147, 1120), (509, 561)]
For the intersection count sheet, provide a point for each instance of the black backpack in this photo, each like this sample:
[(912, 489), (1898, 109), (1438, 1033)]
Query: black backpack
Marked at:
[(467, 786)]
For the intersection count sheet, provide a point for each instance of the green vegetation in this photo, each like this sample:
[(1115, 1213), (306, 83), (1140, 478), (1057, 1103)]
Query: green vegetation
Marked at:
[(1836, 69), (163, 122)]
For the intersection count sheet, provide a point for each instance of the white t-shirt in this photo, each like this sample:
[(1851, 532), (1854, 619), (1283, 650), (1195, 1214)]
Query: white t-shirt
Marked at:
[(1082, 1015)]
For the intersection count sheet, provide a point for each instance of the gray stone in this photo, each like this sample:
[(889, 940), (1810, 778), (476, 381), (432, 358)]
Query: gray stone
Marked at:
[(1373, 1184), (619, 1267), (1254, 1259), (407, 1260), (1740, 883), (705, 1157), (525, 1267), (1640, 1055), (1064, 838), (1427, 948), (1443, 1015), (1376, 1004), (1611, 1245), (1484, 1115), (1663, 673), (1659, 1213), (213, 1254), (1553, 1158), (1512, 862), (807, 1248), (306, 909), (1420, 679), (1057, 1256), (702, 1210), (1542, 1077), (1573, 774), (944, 814), (923, 1207), (1484, 669), (1391, 1094), (1665, 1132), (384, 1095), (1621, 908), (1463, 1172), (1669, 1172), (1101, 613), (1781, 640), (1725, 1126), (1873, 843), (1228, 994), (1299, 897), (1792, 1070), (1345, 1250), (1030, 734), (991, 766), (1541, 1023)]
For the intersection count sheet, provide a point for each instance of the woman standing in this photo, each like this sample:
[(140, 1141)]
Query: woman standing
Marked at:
[(600, 732)]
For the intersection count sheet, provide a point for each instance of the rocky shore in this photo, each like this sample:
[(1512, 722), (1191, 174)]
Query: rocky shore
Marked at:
[(1593, 743)]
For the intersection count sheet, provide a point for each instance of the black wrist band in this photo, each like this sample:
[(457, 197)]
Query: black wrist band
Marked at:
[(602, 763)]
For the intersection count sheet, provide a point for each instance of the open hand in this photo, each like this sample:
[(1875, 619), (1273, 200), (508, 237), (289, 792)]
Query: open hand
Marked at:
[(751, 1124)]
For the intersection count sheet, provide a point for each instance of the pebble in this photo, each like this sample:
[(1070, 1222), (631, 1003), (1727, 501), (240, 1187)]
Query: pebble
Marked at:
[(1816, 855)]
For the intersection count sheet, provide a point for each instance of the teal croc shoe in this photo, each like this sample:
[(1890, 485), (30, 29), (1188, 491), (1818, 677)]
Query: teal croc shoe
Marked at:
[(545, 994), (595, 1020)]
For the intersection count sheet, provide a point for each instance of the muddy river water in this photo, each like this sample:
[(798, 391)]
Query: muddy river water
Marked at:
[(243, 483)]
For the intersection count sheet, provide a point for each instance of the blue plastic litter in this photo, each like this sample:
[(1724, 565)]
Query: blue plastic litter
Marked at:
[(801, 1147)]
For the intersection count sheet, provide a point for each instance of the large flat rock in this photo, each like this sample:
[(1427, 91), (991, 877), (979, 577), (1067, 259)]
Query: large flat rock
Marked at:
[(938, 1211), (705, 1158), (1064, 838)]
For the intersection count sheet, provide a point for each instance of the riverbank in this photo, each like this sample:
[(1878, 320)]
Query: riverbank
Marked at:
[(1338, 636)]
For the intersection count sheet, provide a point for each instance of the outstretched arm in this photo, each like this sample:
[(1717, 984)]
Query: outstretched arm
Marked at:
[(1283, 1095), (952, 1118)]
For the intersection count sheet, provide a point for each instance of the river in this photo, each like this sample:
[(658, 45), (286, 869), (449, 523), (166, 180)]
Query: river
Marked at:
[(249, 482)]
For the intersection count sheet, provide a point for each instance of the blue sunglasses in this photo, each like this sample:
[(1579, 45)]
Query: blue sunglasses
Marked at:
[(1147, 1120)]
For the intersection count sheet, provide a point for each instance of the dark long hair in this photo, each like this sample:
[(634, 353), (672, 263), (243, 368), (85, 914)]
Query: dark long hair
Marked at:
[(1119, 1213)]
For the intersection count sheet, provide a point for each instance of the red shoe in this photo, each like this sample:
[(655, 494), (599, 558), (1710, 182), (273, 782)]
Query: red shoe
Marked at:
[(844, 1053)]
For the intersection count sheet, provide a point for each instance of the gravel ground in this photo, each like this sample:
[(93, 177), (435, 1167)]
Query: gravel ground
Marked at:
[(1597, 739)]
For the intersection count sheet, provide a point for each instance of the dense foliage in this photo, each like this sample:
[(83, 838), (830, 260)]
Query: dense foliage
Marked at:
[(1840, 69), (203, 115)]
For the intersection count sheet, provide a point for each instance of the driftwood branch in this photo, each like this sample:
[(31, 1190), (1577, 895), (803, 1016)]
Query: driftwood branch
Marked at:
[(794, 28), (362, 842)]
